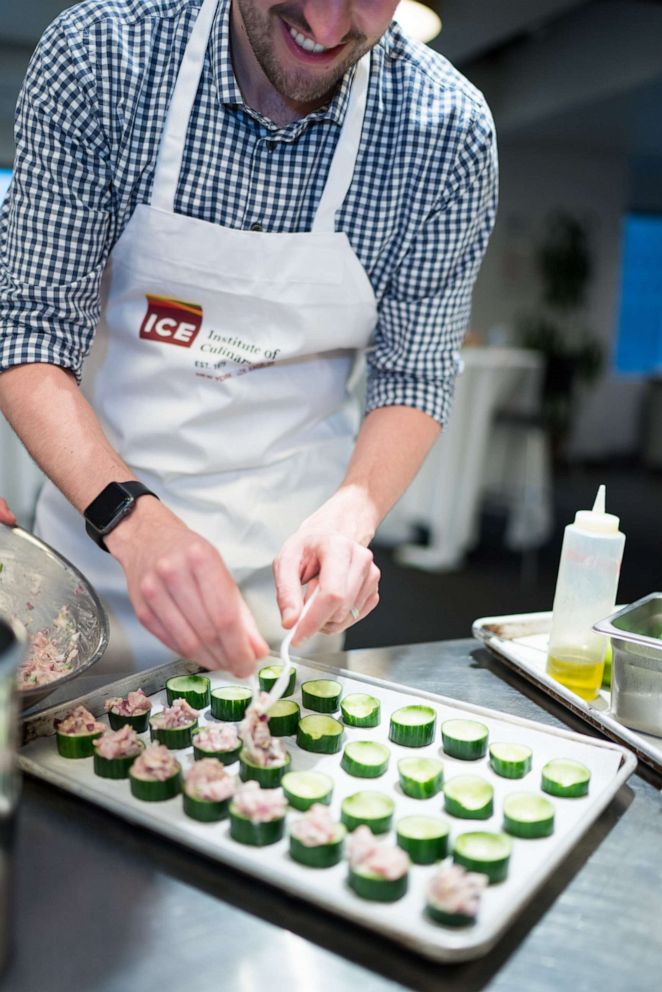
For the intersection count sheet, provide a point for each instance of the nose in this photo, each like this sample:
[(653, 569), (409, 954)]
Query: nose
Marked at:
[(330, 20)]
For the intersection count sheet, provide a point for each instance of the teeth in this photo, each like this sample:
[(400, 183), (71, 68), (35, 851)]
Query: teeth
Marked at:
[(306, 43)]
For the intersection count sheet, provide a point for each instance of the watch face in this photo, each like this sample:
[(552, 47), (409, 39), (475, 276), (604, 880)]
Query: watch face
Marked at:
[(110, 506)]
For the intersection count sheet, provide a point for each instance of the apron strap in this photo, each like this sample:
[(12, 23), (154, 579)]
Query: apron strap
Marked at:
[(173, 138), (347, 149)]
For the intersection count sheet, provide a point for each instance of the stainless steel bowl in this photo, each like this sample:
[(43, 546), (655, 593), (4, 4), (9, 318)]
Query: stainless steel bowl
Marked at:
[(636, 669), (35, 583)]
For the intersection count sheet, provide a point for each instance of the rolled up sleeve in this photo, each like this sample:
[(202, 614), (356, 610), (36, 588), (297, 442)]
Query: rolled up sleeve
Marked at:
[(423, 316), (55, 225)]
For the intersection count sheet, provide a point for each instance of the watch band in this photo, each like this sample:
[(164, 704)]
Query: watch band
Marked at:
[(115, 502)]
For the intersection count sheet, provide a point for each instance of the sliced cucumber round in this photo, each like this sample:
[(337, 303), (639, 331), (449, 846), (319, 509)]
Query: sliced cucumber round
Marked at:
[(230, 702), (226, 757), (319, 855), (464, 739), (115, 768), (448, 919), (174, 738), (155, 790), (269, 675), (374, 809), (139, 721), (365, 759), (376, 887), (205, 810), (360, 710), (526, 814), (484, 852), (424, 838), (194, 689), (469, 797), (256, 834), (566, 778), (303, 789), (77, 745), (413, 726), (420, 778), (321, 734), (510, 760), (284, 718), (268, 777), (321, 695)]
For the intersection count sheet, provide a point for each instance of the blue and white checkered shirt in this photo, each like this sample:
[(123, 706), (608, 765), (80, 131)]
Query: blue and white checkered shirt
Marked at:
[(418, 213)]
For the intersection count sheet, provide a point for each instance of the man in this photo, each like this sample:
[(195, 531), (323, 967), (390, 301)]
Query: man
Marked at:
[(228, 203)]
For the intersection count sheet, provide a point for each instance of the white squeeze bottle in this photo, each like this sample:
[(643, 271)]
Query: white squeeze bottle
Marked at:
[(585, 593)]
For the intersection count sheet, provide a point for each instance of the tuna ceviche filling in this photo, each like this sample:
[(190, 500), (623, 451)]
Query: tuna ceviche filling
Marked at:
[(79, 721), (315, 827), (134, 704), (123, 743), (259, 746), (155, 764), (259, 805), (217, 737), (367, 854), (208, 779), (52, 652), (452, 889), (180, 714)]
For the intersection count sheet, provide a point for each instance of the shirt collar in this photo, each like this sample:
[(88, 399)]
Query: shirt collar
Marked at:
[(228, 88)]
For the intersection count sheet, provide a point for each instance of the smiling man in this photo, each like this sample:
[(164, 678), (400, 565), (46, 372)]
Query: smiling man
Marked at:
[(217, 208)]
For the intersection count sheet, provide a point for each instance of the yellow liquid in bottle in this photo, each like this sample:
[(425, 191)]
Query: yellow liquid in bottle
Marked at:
[(577, 670)]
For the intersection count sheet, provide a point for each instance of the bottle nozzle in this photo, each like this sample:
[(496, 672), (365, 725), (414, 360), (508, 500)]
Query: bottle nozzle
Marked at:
[(599, 505), (596, 520)]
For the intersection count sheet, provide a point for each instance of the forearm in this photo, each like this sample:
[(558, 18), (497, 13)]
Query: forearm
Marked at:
[(57, 425), (390, 448)]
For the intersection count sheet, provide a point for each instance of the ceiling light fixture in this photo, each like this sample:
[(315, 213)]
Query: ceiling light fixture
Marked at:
[(417, 20)]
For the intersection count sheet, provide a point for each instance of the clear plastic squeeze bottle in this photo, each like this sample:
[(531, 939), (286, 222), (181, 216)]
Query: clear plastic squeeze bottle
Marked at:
[(585, 593)]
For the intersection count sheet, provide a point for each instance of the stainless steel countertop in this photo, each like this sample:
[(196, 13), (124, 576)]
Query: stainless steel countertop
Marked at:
[(100, 906)]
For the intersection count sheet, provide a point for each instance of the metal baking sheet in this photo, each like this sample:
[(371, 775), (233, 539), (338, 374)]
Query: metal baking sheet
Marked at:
[(404, 922), (521, 640)]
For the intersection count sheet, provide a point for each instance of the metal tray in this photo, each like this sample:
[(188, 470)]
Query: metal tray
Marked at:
[(521, 642), (404, 922)]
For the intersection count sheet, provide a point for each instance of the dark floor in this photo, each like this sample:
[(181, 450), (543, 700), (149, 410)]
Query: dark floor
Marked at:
[(421, 606)]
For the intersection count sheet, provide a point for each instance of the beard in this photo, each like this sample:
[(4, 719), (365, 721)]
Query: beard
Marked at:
[(296, 83)]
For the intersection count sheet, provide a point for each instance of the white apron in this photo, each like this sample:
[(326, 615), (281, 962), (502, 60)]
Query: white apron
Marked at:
[(219, 371)]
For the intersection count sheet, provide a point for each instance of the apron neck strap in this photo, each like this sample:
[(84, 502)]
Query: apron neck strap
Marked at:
[(347, 149), (173, 138)]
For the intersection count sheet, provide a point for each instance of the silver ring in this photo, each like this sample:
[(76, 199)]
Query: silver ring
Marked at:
[(355, 613)]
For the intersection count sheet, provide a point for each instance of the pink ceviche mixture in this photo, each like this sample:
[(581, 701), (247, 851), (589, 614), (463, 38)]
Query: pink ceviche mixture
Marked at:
[(121, 743), (367, 854), (259, 805), (134, 704), (315, 827), (213, 737), (79, 721), (155, 764), (455, 890), (51, 655), (180, 714), (208, 779), (261, 748)]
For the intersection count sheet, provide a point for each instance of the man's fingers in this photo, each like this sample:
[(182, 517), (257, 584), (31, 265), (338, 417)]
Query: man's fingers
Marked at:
[(6, 515), (349, 621), (287, 569)]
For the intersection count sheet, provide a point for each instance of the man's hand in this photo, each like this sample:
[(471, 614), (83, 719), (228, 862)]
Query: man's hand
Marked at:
[(6, 515), (182, 591), (340, 566)]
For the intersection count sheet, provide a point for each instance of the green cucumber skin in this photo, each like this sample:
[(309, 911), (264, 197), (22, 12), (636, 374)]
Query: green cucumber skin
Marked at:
[(113, 767), (378, 889), (423, 851), (174, 738), (320, 856), (359, 770), (229, 710), (284, 726), (267, 683), (256, 834), (378, 825), (371, 720), (510, 769), (225, 757), (268, 778), (140, 722), (456, 808), (197, 698), (464, 750), (496, 871), (328, 744), (528, 831), (575, 791), (77, 745), (449, 919), (156, 791), (302, 803), (416, 735), (416, 789), (320, 704), (205, 810)]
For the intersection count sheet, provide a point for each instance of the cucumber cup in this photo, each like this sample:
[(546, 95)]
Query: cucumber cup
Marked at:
[(510, 760), (269, 675), (303, 789), (268, 777), (360, 710), (528, 815), (464, 739), (320, 734), (284, 718), (565, 778), (413, 726), (230, 702), (424, 838), (319, 855), (484, 852), (420, 778), (321, 695), (469, 797), (194, 689), (374, 809), (365, 759)]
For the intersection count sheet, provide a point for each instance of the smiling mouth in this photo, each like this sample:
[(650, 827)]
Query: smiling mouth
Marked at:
[(307, 47), (307, 44)]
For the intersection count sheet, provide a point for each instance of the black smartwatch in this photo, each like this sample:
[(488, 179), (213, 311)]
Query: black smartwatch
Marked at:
[(112, 504)]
